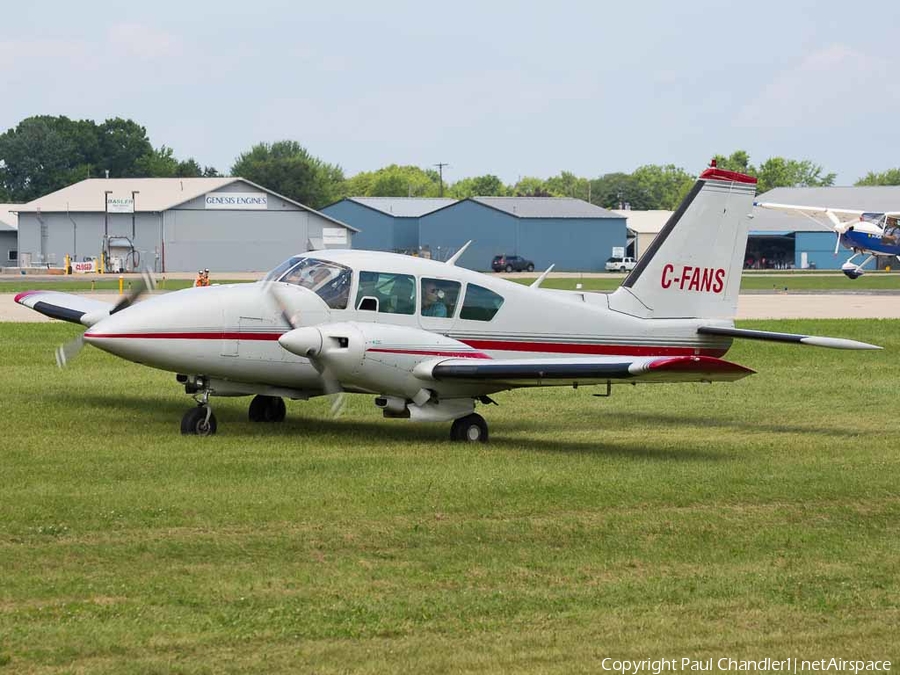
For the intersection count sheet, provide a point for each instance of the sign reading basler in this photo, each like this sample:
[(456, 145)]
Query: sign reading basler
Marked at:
[(237, 200)]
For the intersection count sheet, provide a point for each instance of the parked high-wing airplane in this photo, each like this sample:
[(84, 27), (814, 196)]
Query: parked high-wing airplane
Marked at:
[(877, 234), (430, 339)]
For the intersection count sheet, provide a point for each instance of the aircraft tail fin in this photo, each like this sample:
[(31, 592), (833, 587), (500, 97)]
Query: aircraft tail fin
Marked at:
[(693, 267)]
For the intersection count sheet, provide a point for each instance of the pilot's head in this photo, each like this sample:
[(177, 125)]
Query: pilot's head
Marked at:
[(431, 292)]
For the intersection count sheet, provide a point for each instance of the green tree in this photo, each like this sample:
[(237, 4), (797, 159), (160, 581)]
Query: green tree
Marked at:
[(781, 172), (44, 153), (738, 161), (567, 184), (288, 168), (529, 186), (777, 171), (479, 186), (889, 177), (122, 144), (614, 190), (160, 163), (664, 186), (394, 181)]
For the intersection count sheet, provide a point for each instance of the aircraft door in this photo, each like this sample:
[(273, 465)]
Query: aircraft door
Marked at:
[(386, 297), (229, 343)]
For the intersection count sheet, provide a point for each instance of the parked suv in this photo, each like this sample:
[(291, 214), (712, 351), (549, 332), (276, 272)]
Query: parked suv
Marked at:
[(620, 264), (511, 263)]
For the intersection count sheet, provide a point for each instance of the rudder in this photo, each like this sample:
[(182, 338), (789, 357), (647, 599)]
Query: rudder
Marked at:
[(693, 267)]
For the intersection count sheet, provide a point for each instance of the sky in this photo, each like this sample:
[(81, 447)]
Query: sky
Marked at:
[(506, 88)]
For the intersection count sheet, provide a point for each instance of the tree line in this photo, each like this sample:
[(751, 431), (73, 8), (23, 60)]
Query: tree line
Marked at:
[(45, 153)]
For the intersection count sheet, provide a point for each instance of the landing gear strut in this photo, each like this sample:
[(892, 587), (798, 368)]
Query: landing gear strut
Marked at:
[(267, 409), (199, 421), (469, 429)]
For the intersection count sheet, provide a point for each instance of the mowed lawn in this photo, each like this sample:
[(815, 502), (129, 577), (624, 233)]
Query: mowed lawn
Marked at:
[(747, 520)]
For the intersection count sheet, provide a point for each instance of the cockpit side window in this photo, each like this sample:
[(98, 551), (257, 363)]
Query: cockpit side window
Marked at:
[(329, 280), (396, 293), (439, 297), (480, 304)]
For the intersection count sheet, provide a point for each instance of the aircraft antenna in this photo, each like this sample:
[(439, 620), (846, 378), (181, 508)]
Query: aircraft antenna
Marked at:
[(455, 257), (537, 282)]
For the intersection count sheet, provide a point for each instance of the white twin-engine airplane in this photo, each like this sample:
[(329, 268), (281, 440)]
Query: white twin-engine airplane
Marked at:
[(430, 339)]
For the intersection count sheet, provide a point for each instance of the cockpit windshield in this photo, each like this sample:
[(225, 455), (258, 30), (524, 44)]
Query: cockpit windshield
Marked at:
[(279, 271), (329, 280)]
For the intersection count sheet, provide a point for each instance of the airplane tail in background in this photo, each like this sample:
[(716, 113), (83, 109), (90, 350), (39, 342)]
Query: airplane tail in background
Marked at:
[(693, 267)]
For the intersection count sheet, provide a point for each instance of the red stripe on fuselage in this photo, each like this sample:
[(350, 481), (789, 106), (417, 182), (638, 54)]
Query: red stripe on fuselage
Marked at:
[(185, 336), (426, 352), (484, 345), (590, 349)]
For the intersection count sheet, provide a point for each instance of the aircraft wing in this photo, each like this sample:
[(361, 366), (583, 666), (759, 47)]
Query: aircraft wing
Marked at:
[(66, 306), (586, 370), (809, 210)]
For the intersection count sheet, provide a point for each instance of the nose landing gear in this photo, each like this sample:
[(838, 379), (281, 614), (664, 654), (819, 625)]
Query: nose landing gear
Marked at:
[(199, 421)]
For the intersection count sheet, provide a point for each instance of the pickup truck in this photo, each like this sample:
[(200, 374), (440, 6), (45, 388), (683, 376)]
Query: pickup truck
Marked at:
[(620, 264)]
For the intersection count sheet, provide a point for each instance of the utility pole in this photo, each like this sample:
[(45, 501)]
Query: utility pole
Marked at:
[(106, 194), (440, 166), (133, 213)]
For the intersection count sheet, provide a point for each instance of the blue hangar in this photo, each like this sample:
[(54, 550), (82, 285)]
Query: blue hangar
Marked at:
[(570, 233), (385, 223)]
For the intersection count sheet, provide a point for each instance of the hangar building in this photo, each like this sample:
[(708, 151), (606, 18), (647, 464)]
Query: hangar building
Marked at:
[(173, 225), (570, 233), (8, 235), (385, 223), (802, 242), (643, 226)]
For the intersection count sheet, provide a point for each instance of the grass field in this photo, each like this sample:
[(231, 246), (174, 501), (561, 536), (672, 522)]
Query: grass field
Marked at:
[(751, 520), (749, 282)]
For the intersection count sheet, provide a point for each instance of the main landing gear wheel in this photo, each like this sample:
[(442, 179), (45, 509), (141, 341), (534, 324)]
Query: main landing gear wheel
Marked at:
[(469, 429), (267, 409), (198, 421)]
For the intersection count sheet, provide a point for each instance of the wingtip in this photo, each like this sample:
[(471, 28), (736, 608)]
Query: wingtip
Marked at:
[(20, 297)]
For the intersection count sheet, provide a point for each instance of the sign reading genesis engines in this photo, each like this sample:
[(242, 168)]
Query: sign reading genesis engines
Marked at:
[(237, 200)]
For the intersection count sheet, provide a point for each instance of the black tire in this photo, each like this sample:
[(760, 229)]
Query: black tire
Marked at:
[(509, 268), (622, 268), (194, 422), (267, 409), (530, 268), (469, 429)]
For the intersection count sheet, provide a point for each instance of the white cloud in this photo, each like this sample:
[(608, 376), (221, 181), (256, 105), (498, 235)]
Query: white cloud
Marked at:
[(829, 88)]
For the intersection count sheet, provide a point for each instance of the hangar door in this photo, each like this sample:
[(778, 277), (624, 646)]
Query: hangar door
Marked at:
[(236, 241)]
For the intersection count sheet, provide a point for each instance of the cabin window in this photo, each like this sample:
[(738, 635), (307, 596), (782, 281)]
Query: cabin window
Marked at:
[(12, 256), (328, 280), (396, 293), (481, 304), (439, 297)]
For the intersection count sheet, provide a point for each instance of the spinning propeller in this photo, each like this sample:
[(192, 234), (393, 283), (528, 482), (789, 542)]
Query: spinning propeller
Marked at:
[(68, 351), (310, 343)]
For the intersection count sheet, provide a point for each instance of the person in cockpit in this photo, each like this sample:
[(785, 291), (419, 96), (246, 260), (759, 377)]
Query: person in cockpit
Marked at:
[(433, 300)]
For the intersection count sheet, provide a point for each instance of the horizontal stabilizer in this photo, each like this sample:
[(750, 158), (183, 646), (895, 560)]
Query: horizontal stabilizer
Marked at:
[(811, 340), (586, 371), (65, 306)]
